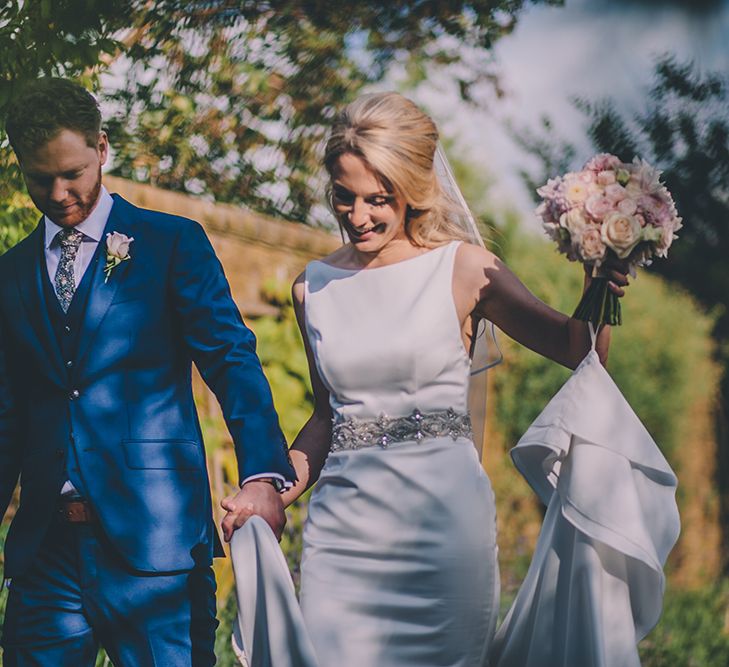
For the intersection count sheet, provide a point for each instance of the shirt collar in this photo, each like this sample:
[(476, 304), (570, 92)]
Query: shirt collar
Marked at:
[(92, 227)]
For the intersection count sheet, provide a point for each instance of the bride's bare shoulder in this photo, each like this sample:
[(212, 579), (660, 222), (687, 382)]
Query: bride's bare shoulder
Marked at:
[(471, 257), (340, 257), (336, 258)]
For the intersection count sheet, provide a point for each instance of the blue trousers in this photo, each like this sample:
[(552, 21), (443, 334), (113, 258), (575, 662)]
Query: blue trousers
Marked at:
[(78, 594)]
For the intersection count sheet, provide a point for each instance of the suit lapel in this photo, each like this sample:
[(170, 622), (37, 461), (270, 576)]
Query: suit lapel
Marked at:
[(102, 292), (29, 265)]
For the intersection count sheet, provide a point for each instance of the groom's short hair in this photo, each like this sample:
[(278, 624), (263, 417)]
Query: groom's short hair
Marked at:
[(47, 106)]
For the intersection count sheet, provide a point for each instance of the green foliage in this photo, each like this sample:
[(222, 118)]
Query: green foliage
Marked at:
[(693, 630), (56, 37), (527, 381), (223, 648), (282, 355), (18, 217)]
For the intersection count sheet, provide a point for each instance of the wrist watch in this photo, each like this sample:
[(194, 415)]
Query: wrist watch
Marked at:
[(273, 481)]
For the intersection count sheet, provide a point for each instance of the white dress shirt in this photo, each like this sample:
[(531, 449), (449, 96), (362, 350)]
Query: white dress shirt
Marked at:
[(93, 230)]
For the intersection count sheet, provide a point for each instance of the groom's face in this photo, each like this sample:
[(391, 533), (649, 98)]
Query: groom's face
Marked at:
[(63, 176)]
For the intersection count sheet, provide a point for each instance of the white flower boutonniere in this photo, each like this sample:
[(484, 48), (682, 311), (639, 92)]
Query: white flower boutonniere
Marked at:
[(117, 251)]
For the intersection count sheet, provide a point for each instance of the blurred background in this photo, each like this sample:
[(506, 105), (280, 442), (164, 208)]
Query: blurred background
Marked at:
[(217, 110)]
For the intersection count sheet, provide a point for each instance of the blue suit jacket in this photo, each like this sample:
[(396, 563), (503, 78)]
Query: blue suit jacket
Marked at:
[(126, 405)]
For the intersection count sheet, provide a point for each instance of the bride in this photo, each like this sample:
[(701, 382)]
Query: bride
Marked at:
[(400, 559)]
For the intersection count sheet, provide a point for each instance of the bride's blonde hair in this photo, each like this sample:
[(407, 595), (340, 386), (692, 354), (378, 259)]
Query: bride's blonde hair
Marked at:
[(398, 142)]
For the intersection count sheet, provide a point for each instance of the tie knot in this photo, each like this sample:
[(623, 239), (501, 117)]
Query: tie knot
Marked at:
[(70, 238)]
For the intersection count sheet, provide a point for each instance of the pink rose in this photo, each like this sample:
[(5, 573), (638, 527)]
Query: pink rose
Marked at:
[(598, 206), (603, 162), (117, 245), (658, 211), (587, 176), (628, 206), (606, 177), (615, 192)]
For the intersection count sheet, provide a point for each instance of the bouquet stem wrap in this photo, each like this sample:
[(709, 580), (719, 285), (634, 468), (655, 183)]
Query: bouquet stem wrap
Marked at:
[(599, 305)]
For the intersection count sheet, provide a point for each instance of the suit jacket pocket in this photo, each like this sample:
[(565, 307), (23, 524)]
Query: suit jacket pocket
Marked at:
[(163, 454)]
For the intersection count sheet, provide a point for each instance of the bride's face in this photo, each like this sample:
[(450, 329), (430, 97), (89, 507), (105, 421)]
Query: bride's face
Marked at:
[(371, 215)]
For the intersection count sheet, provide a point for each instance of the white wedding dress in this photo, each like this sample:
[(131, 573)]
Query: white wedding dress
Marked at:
[(399, 565), (595, 585), (400, 559)]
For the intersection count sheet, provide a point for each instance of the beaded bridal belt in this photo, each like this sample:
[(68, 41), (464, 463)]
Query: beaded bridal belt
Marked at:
[(354, 433)]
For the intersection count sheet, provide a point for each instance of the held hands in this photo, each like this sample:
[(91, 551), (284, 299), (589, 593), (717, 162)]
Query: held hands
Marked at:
[(256, 497)]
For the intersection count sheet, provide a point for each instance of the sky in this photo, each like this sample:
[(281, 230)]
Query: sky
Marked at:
[(594, 49)]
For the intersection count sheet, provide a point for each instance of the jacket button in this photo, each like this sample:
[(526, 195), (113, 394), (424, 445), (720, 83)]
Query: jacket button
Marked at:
[(69, 364), (74, 394), (67, 329)]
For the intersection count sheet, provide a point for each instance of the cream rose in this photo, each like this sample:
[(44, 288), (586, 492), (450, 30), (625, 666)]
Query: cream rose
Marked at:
[(590, 244), (573, 221), (621, 233)]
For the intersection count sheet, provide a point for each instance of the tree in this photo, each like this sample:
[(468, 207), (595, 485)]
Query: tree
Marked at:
[(233, 101), (230, 98), (50, 37)]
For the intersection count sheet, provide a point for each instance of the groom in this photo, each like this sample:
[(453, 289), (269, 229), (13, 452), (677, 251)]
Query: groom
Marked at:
[(103, 309)]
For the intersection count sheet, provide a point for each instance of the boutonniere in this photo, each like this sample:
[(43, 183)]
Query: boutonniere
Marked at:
[(117, 251)]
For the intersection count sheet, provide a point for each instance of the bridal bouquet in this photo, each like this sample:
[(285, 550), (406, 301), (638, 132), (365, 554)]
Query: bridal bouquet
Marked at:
[(609, 208)]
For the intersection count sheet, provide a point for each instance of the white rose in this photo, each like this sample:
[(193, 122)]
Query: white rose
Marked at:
[(117, 245), (621, 232)]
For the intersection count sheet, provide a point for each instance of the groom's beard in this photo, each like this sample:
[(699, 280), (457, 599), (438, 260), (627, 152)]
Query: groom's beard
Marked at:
[(74, 212)]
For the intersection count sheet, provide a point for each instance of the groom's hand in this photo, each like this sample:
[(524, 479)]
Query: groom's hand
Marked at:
[(256, 497)]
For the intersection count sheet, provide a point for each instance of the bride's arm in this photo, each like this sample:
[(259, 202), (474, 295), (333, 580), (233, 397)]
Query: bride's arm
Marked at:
[(311, 446), (487, 288)]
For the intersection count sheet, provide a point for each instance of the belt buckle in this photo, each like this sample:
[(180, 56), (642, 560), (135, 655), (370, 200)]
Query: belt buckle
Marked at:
[(76, 511)]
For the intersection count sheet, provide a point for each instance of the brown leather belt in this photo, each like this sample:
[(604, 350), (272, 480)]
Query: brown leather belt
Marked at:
[(76, 511)]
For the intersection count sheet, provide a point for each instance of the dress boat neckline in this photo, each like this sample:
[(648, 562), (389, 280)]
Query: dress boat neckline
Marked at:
[(362, 269)]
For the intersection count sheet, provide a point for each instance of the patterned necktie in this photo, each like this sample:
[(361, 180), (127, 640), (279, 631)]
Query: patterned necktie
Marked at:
[(64, 282)]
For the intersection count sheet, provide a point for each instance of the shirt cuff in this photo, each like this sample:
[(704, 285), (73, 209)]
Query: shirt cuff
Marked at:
[(281, 486)]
